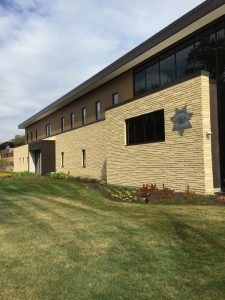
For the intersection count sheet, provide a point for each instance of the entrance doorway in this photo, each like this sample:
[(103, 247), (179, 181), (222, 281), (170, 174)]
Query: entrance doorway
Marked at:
[(37, 162)]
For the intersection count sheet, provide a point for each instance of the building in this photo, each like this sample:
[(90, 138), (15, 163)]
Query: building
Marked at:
[(155, 115), (6, 156)]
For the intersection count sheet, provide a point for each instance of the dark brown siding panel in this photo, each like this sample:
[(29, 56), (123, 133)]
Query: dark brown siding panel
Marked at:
[(48, 157)]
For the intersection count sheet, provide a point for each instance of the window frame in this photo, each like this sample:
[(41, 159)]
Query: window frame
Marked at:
[(62, 159), (48, 130), (84, 158), (84, 116), (62, 124), (72, 120), (98, 110), (113, 99)]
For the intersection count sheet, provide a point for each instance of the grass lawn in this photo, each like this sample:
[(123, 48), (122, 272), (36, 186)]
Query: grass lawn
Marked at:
[(59, 240)]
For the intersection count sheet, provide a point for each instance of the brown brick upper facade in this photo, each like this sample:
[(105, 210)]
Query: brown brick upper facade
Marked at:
[(123, 85)]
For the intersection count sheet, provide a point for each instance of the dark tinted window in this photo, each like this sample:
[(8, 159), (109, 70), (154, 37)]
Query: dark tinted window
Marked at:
[(98, 110), (62, 124), (221, 54), (167, 69), (139, 80), (205, 54), (83, 116), (115, 99), (146, 128), (185, 61), (152, 76), (72, 120)]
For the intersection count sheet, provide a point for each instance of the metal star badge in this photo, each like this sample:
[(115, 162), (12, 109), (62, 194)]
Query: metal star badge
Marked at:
[(181, 120)]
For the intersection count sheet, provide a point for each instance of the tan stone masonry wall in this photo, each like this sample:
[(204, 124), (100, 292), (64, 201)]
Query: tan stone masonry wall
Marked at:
[(177, 162), (90, 138), (20, 158)]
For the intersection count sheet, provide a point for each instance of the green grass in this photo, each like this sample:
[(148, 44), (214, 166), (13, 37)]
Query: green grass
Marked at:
[(59, 240)]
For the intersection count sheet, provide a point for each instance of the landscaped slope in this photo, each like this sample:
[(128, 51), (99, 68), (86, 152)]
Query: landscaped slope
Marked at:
[(59, 240)]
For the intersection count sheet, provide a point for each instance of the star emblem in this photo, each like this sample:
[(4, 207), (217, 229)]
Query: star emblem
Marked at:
[(181, 120)]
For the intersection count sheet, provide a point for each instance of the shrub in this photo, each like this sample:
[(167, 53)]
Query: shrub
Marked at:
[(119, 193), (24, 174), (59, 175), (147, 191), (220, 199), (188, 193)]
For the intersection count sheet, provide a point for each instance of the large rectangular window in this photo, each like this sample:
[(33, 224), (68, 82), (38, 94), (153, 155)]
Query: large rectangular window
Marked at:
[(83, 111), (205, 52), (98, 110), (139, 81), (72, 120), (152, 75), (185, 60), (62, 124), (115, 99), (167, 69), (146, 128), (48, 130)]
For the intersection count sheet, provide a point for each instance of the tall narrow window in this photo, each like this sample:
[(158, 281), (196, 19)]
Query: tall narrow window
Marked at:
[(31, 136), (62, 159), (115, 99), (83, 158), (72, 120), (62, 124), (36, 134), (48, 130), (83, 116), (27, 137), (98, 110)]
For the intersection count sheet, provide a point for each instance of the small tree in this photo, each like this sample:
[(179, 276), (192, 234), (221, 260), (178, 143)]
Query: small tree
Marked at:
[(19, 140)]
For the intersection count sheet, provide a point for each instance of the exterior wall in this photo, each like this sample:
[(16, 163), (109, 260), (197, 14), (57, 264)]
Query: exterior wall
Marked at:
[(177, 162), (21, 158), (123, 85), (91, 138)]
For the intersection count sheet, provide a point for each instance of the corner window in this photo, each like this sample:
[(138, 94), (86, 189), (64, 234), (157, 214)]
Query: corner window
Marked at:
[(98, 110), (72, 120), (185, 60), (83, 111), (62, 159), (83, 158), (115, 99), (62, 124), (146, 128), (48, 130)]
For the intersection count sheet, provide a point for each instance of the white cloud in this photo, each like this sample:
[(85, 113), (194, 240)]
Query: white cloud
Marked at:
[(48, 47)]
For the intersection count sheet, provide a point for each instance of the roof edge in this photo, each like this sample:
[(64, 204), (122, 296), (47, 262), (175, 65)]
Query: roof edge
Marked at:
[(190, 17)]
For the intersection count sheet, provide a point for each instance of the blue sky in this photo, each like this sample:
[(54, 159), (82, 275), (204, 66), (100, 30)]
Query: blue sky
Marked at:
[(47, 47)]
